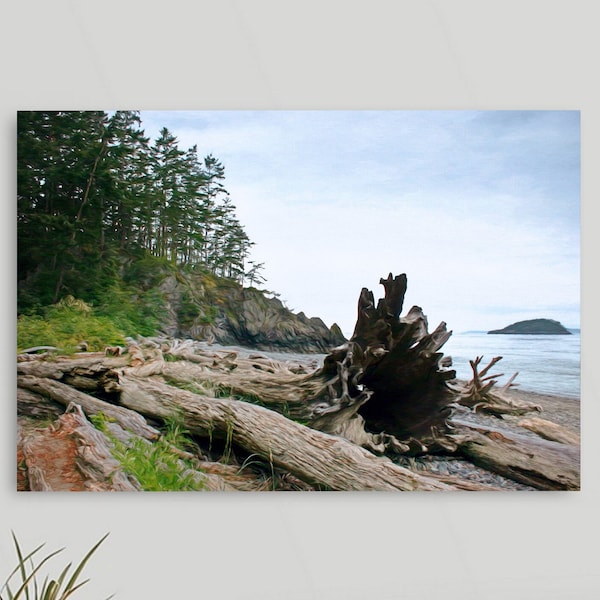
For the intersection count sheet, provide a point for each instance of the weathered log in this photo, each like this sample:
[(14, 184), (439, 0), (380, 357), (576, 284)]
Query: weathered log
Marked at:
[(36, 349), (313, 456), (550, 431), (37, 406), (398, 362), (72, 456), (66, 395), (540, 463), (90, 373)]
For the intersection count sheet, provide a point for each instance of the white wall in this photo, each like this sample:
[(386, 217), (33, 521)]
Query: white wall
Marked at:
[(269, 54)]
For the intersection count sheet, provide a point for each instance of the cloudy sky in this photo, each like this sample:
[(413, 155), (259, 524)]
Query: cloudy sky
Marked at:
[(479, 208)]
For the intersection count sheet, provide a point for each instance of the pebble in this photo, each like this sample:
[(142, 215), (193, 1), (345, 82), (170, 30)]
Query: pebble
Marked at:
[(457, 467)]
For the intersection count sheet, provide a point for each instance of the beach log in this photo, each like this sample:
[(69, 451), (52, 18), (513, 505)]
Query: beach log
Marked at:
[(318, 458), (66, 395), (551, 431), (392, 373), (539, 463), (480, 395)]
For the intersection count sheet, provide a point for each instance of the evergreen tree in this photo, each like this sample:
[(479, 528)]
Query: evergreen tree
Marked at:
[(91, 191), (129, 153), (168, 170), (60, 199)]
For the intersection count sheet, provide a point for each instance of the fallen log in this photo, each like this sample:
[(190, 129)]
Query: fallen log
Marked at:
[(315, 457), (550, 431), (542, 464), (66, 395), (72, 456), (395, 370), (36, 406)]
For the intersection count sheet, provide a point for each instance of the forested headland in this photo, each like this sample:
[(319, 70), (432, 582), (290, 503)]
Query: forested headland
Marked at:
[(139, 233)]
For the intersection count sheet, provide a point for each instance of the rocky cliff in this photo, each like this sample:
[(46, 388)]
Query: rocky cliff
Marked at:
[(534, 327), (204, 307)]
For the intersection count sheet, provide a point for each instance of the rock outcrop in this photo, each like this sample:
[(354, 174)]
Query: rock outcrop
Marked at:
[(534, 327), (206, 308)]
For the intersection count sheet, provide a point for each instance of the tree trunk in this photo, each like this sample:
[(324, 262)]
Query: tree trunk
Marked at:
[(313, 456), (540, 463), (66, 395)]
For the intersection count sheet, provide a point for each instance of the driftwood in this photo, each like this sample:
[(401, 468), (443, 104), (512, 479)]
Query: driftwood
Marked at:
[(313, 456), (550, 431), (66, 395), (72, 456), (542, 464), (388, 391), (480, 396), (37, 406)]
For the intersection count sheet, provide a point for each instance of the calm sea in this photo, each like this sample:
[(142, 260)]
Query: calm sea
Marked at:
[(548, 364)]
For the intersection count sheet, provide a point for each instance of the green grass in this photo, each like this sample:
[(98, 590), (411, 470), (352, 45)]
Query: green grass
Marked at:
[(26, 576), (154, 464), (66, 324)]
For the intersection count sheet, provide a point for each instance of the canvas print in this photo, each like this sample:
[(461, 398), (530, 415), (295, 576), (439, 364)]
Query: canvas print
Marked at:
[(298, 300)]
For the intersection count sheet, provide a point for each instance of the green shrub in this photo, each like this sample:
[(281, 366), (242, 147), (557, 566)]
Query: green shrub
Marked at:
[(133, 312), (66, 324)]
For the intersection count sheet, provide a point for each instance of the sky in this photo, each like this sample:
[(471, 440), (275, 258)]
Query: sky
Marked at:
[(480, 209)]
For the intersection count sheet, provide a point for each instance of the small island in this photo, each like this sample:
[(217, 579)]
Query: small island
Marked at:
[(534, 327)]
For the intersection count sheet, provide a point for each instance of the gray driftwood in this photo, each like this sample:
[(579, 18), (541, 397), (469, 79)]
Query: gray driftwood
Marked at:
[(388, 390), (311, 455), (66, 395), (542, 464)]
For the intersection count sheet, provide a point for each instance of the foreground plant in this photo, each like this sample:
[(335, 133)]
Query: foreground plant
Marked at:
[(157, 466), (27, 574)]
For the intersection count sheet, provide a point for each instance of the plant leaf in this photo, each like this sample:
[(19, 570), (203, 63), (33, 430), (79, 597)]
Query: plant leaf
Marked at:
[(82, 564)]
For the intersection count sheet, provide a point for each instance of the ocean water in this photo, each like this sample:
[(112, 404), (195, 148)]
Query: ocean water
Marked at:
[(548, 364)]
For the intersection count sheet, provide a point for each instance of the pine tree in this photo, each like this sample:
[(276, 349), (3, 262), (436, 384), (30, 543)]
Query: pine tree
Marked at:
[(61, 172), (91, 190), (168, 171), (129, 153)]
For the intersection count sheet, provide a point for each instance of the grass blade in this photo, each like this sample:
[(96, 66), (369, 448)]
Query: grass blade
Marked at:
[(82, 564), (66, 595), (31, 577), (21, 565)]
